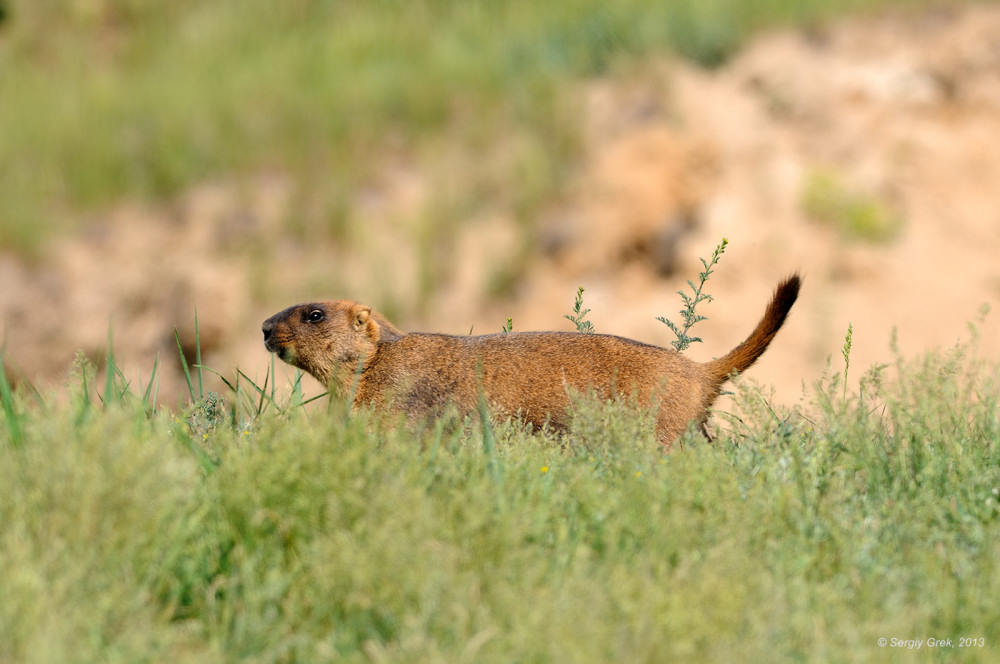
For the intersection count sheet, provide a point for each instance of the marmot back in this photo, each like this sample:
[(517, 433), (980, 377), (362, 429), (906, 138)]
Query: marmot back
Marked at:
[(348, 346)]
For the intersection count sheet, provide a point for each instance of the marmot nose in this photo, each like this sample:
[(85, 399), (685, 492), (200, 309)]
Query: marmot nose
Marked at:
[(267, 328)]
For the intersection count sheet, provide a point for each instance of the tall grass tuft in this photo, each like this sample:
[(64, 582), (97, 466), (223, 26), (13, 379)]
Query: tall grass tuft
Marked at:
[(804, 533), (251, 528)]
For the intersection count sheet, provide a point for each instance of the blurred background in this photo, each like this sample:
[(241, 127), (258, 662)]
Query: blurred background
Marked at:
[(455, 163)]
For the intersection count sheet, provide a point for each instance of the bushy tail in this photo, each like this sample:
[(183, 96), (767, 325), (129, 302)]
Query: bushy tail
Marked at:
[(744, 355)]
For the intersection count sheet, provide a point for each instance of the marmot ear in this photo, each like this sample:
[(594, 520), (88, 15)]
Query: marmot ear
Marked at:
[(366, 324), (361, 315)]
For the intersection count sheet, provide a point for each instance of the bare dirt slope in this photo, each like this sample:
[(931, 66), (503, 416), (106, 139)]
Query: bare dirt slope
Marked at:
[(899, 111)]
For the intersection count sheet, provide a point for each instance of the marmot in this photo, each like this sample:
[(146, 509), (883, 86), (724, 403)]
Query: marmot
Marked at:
[(353, 349)]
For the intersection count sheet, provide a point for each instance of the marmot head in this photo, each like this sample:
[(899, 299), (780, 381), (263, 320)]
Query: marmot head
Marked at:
[(330, 340)]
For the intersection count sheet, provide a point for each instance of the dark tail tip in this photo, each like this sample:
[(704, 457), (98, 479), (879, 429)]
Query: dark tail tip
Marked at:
[(785, 294)]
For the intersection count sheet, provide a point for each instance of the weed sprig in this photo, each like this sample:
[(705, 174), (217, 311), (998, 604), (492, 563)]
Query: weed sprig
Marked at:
[(689, 315), (579, 315)]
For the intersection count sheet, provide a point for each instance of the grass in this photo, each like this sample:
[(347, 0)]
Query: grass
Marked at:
[(800, 534)]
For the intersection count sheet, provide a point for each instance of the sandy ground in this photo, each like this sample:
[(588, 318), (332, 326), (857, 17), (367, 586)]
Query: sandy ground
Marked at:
[(902, 110)]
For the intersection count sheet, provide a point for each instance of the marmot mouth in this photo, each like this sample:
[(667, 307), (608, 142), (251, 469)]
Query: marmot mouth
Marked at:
[(284, 353)]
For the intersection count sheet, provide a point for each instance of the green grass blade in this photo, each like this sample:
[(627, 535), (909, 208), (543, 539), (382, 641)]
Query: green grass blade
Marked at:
[(221, 377), (10, 414), (489, 438), (315, 398), (24, 383), (156, 393), (197, 356), (274, 383), (261, 391), (123, 386), (85, 401), (263, 395), (184, 365), (154, 378), (234, 417), (296, 389), (110, 369)]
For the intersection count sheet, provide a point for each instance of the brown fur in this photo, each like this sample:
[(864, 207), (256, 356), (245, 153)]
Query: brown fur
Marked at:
[(351, 348)]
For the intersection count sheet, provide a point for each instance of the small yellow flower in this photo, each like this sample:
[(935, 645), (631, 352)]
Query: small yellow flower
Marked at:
[(545, 469), (638, 473)]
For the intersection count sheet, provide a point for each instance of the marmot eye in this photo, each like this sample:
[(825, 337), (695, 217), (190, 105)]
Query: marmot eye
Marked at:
[(315, 316)]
